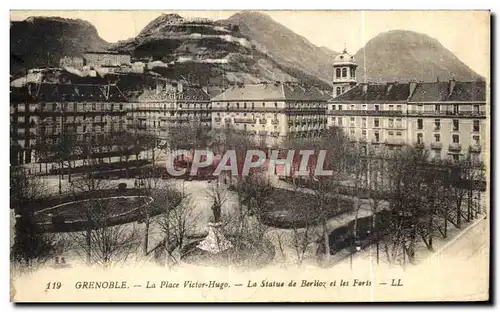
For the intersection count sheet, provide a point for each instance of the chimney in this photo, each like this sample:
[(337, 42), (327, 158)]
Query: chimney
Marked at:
[(451, 86), (365, 88), (180, 87), (389, 87), (413, 86)]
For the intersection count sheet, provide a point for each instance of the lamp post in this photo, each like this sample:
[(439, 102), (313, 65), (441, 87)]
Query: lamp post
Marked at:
[(358, 245)]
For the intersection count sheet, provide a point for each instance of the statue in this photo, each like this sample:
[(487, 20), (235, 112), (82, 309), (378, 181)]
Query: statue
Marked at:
[(216, 209), (215, 241)]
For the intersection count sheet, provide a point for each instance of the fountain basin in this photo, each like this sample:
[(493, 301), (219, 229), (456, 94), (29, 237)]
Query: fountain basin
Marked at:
[(109, 211)]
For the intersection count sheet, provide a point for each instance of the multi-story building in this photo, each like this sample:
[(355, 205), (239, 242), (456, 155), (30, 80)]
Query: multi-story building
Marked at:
[(71, 61), (105, 58), (448, 118), (271, 111), (166, 105), (42, 112)]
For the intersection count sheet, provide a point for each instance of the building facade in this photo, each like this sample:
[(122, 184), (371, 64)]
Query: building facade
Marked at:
[(270, 112), (71, 61), (40, 114), (105, 58), (168, 105), (447, 118)]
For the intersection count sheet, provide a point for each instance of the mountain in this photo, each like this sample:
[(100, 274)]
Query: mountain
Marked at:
[(210, 52), (284, 45), (401, 55), (42, 41), (248, 47)]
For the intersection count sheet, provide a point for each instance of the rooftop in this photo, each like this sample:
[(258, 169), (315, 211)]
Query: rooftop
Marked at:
[(188, 93), (440, 91), (391, 92), (470, 91), (104, 52), (272, 92)]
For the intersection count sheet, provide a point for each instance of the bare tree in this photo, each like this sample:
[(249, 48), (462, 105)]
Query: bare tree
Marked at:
[(32, 246), (126, 145), (189, 136), (63, 151), (164, 197), (377, 191), (177, 220), (43, 147), (104, 243), (254, 192), (302, 238), (325, 189), (404, 219), (280, 238)]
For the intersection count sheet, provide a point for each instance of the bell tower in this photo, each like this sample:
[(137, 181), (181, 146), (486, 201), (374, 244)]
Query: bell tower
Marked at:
[(344, 73)]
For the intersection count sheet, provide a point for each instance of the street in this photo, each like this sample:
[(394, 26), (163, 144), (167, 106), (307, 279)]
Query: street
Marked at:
[(472, 244)]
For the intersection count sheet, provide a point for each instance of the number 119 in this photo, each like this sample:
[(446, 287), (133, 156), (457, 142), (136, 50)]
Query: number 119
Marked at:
[(53, 285)]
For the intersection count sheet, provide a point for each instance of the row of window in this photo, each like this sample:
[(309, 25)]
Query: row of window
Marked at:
[(364, 106), (340, 90), (54, 107), (342, 72), (171, 114), (455, 138), (420, 108), (455, 127), (420, 136), (397, 123), (392, 123), (275, 104), (171, 106)]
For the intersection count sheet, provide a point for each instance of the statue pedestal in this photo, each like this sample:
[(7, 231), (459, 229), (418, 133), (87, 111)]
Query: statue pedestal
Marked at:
[(215, 241)]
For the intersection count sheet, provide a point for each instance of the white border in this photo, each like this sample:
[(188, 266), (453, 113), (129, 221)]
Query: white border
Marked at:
[(198, 5)]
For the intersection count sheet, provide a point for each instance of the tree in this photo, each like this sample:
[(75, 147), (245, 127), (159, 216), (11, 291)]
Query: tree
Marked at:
[(178, 218), (43, 146), (218, 195), (89, 181), (189, 137), (416, 188), (377, 191), (103, 243), (325, 189), (32, 245), (301, 240), (64, 152), (164, 197), (124, 143), (253, 193)]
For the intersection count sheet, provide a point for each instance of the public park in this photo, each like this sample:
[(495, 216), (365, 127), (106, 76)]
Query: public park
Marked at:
[(396, 205)]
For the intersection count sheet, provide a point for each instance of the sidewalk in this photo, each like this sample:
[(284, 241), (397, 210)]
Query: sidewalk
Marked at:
[(422, 253)]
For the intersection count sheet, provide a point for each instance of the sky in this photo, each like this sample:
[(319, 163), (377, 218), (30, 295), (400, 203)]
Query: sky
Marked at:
[(465, 33)]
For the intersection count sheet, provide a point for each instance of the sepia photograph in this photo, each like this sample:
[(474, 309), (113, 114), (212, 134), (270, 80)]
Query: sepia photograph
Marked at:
[(249, 156)]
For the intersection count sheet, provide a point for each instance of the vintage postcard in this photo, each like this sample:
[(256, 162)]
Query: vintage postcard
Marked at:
[(274, 156)]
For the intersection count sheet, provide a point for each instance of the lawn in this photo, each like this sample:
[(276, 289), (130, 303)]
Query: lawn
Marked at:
[(289, 209)]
